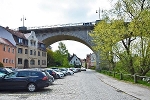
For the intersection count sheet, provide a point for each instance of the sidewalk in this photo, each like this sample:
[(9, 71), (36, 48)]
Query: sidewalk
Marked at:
[(135, 90)]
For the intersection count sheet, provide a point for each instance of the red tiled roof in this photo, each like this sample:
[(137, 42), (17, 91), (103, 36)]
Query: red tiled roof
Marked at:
[(5, 41), (17, 33)]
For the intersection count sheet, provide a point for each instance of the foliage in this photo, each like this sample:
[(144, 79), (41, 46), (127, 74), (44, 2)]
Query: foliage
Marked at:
[(1, 64), (117, 39), (58, 57), (50, 58)]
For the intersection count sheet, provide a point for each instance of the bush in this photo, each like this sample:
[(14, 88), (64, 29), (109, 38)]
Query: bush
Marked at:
[(1, 64)]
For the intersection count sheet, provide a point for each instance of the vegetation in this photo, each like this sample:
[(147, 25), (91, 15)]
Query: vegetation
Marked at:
[(59, 57), (1, 64), (124, 39)]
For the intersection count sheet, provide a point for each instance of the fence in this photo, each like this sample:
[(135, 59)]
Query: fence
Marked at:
[(134, 78)]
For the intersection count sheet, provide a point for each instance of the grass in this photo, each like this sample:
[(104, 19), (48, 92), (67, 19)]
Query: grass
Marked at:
[(127, 78)]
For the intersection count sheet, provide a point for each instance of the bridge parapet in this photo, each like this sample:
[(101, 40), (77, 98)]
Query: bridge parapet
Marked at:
[(61, 25)]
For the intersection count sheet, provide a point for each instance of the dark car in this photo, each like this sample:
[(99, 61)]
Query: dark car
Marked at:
[(5, 70), (52, 72), (24, 79)]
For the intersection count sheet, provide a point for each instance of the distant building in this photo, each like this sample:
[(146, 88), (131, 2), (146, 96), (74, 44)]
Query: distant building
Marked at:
[(91, 60), (74, 60), (7, 53)]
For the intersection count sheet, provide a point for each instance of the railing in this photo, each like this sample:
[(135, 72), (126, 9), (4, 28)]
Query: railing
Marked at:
[(62, 25), (135, 78)]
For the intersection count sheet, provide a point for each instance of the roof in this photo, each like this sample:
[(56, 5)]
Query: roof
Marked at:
[(17, 33), (70, 58), (5, 41), (27, 35)]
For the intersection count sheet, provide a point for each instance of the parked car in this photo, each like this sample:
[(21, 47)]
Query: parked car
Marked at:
[(69, 72), (74, 70), (5, 70), (50, 77), (24, 79), (64, 71), (52, 72), (59, 74), (83, 69)]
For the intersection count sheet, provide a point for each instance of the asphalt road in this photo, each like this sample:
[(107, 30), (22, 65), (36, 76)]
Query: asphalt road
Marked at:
[(85, 85)]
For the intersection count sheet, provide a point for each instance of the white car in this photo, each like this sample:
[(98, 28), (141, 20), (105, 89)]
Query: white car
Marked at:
[(59, 74), (69, 72)]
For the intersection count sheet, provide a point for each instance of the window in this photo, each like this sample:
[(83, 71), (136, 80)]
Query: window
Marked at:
[(26, 51), (31, 43), (34, 52), (43, 54), (20, 50), (26, 42), (8, 49), (38, 53), (23, 74), (10, 61), (34, 43), (4, 48), (19, 60), (13, 50), (38, 62), (30, 52), (32, 62), (3, 60), (20, 40), (6, 60), (43, 62)]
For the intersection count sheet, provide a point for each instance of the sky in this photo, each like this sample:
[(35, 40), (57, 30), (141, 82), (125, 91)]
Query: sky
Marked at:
[(52, 12)]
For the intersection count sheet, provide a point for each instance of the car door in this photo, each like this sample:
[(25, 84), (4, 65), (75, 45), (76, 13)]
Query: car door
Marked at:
[(8, 81)]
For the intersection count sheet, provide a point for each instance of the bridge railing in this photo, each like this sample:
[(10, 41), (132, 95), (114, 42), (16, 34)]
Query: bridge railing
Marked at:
[(62, 25)]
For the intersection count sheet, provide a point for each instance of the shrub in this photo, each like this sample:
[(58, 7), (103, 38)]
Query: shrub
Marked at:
[(1, 64)]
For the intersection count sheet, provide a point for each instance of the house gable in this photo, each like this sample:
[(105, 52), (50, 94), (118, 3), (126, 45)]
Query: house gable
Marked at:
[(74, 60)]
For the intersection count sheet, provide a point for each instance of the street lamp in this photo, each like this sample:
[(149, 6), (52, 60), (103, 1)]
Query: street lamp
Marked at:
[(23, 19), (98, 11)]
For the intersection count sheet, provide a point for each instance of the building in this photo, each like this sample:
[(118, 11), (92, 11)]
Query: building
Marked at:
[(7, 53), (91, 60), (36, 53), (30, 52), (75, 61)]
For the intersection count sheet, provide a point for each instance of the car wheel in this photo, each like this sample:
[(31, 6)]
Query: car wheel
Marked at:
[(31, 87)]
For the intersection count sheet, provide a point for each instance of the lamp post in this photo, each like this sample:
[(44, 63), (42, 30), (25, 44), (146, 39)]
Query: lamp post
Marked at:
[(23, 19), (99, 12)]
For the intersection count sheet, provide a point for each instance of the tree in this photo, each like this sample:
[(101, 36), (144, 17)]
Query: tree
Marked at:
[(116, 38), (62, 48), (1, 64), (50, 58)]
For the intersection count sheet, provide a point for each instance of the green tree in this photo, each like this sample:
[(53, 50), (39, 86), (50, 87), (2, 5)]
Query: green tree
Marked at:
[(116, 39), (50, 58), (62, 48)]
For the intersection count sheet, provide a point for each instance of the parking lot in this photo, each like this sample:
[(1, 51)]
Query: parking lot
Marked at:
[(83, 85)]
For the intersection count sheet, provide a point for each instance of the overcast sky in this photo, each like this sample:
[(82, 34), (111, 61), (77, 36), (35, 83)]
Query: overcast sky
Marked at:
[(52, 12)]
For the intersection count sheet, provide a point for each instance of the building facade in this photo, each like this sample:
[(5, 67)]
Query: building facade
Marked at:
[(7, 53), (30, 53), (74, 60)]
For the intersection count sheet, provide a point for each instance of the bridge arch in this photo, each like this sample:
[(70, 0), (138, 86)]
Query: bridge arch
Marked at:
[(77, 32), (50, 40)]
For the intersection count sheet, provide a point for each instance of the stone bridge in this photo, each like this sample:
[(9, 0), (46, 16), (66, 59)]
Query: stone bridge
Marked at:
[(77, 32)]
